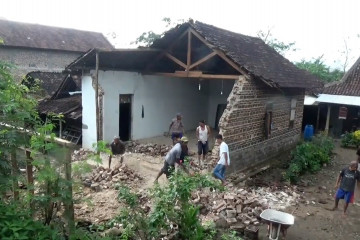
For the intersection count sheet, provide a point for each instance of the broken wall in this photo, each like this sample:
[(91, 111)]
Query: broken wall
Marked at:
[(161, 97), (243, 122)]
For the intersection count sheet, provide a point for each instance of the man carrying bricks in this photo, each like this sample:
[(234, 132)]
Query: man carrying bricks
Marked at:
[(224, 159)]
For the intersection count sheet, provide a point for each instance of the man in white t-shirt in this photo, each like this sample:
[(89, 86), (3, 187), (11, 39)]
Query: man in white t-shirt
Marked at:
[(224, 159)]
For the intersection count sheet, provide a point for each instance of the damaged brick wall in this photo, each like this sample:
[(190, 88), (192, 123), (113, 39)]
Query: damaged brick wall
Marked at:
[(243, 122)]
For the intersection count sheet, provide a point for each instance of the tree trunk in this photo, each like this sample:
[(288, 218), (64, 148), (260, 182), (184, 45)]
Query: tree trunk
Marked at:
[(30, 178), (14, 174), (68, 202)]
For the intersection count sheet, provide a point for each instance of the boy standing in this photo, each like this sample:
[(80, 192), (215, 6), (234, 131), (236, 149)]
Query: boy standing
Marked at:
[(224, 159), (347, 180)]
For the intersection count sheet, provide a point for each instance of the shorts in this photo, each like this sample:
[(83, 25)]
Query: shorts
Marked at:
[(203, 148), (167, 169), (347, 196), (174, 134)]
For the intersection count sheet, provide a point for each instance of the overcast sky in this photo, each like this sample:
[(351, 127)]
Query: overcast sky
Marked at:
[(319, 27)]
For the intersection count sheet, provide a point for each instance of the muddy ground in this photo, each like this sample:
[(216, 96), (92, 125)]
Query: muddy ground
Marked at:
[(313, 220)]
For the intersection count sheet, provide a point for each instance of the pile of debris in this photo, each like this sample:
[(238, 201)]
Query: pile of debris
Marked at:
[(152, 149), (104, 178), (80, 155), (240, 209)]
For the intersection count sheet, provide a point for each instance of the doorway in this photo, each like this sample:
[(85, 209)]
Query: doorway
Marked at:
[(125, 116), (219, 112)]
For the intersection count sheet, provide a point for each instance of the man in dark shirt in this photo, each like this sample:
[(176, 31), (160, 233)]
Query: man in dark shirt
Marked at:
[(117, 148), (347, 180)]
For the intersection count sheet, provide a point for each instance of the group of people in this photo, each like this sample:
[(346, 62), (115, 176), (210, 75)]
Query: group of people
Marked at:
[(177, 154)]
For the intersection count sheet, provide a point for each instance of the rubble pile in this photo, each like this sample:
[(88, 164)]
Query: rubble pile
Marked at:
[(152, 149), (240, 208), (104, 178), (80, 155)]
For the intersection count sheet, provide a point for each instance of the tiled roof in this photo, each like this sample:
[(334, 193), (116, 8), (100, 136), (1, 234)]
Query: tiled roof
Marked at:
[(349, 85), (70, 107), (16, 34), (250, 53)]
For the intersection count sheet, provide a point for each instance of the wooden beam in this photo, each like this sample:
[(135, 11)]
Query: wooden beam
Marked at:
[(204, 59), (327, 119), (188, 62), (220, 53), (191, 74), (158, 57), (202, 39), (177, 61), (230, 62), (97, 96)]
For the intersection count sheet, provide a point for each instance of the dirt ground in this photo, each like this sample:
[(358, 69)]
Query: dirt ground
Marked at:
[(312, 219)]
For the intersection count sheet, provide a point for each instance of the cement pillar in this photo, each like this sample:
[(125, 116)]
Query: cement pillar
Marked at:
[(327, 120)]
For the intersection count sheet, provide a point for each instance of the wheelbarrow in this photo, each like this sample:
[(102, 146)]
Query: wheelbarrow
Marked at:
[(277, 221)]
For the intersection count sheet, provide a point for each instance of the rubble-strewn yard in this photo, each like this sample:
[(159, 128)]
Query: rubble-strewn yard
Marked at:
[(236, 208)]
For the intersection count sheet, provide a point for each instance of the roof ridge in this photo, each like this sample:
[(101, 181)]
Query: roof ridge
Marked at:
[(48, 26)]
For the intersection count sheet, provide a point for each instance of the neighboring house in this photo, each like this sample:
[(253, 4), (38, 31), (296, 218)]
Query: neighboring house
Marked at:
[(339, 104), (33, 47), (60, 94), (234, 81)]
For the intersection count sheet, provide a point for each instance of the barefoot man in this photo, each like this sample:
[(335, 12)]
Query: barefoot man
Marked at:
[(347, 180)]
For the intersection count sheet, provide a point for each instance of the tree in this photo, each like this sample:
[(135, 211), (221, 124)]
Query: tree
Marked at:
[(279, 46), (147, 38), (319, 69)]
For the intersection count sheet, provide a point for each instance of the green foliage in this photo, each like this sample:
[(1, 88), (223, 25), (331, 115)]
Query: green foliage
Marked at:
[(172, 210), (318, 68), (351, 139), (232, 235), (147, 38), (17, 224), (279, 46), (309, 157)]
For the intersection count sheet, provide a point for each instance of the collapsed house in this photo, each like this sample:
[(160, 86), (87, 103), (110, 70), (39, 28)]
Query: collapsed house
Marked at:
[(59, 94), (235, 82)]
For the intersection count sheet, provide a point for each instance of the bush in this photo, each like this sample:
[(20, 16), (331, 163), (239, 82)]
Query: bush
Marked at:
[(351, 139), (309, 157), (17, 224), (172, 213)]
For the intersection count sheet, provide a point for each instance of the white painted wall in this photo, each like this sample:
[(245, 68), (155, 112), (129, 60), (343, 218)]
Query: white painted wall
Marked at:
[(88, 113), (215, 97), (161, 97)]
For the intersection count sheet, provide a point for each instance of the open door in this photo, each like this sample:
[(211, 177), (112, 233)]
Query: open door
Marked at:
[(219, 112), (125, 117)]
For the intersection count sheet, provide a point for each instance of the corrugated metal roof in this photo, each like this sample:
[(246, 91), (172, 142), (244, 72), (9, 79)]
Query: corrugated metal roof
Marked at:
[(339, 99)]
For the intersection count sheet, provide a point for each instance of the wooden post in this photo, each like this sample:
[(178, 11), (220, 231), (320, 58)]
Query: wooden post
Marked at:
[(327, 119), (317, 119), (60, 128), (14, 174), (188, 62), (97, 97), (30, 178), (68, 203)]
